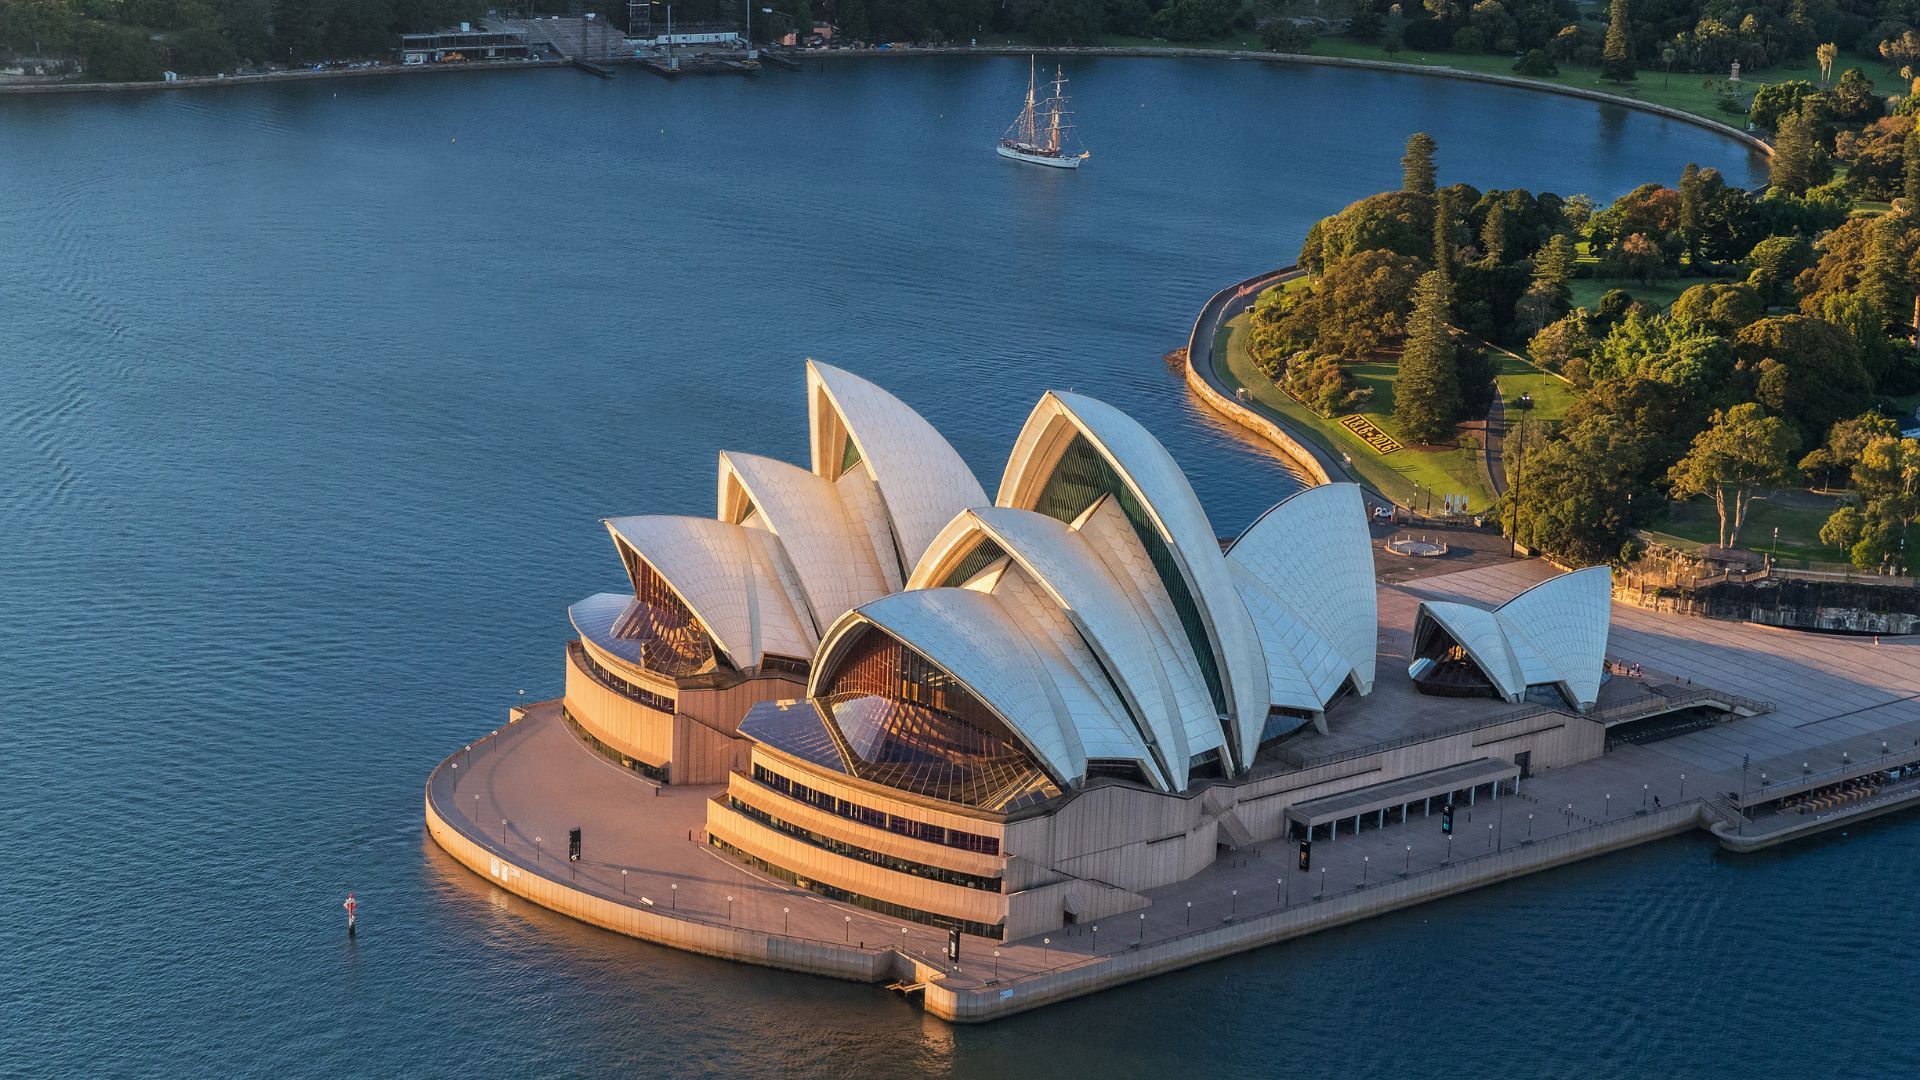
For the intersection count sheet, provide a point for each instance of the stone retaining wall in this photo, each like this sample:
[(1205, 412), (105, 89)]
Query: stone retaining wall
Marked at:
[(1203, 376)]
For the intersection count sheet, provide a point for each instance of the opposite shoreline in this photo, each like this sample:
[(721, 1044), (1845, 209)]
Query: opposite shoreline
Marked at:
[(1167, 52)]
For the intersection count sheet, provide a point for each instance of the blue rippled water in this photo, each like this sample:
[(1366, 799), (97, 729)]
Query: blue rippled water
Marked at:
[(311, 397)]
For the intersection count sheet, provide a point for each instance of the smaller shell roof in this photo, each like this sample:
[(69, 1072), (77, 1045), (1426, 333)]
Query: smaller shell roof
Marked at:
[(828, 549), (1479, 632), (729, 577), (1559, 630), (921, 478), (1312, 553), (1553, 634)]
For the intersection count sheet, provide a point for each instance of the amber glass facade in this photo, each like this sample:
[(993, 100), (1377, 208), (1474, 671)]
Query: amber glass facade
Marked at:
[(904, 722), (672, 641)]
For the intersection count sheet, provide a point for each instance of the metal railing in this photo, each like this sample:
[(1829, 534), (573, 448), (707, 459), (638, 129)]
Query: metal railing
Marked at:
[(1811, 781), (1671, 815)]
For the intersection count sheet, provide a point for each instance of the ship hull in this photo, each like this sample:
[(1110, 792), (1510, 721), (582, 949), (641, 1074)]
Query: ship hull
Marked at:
[(1031, 158)]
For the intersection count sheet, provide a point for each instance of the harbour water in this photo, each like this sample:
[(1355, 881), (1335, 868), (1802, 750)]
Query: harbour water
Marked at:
[(311, 397)]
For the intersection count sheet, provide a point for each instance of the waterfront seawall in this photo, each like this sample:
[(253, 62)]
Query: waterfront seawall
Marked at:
[(630, 916), (731, 913), (1034, 991), (1203, 376), (1438, 71)]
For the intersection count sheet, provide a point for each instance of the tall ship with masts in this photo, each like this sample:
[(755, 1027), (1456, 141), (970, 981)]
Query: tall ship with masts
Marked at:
[(1043, 133)]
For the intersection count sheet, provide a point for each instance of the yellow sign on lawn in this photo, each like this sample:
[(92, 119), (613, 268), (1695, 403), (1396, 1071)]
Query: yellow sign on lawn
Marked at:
[(1370, 433)]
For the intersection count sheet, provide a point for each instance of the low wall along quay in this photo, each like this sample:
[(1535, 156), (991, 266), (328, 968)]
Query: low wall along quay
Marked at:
[(771, 927)]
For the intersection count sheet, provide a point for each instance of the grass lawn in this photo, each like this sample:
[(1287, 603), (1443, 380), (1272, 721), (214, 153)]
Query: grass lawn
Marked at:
[(1661, 292), (1406, 476), (1680, 90), (1551, 393), (1693, 524)]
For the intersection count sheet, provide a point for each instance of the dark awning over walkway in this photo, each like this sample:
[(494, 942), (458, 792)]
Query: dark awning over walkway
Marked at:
[(1407, 789)]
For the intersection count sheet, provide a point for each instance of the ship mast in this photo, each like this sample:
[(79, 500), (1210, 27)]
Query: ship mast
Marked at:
[(1053, 126), (1028, 134)]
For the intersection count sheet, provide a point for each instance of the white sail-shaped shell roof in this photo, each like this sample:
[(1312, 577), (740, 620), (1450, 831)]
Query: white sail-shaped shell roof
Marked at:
[(828, 547), (922, 481), (1161, 488), (1558, 630), (1304, 671), (970, 636), (1554, 634), (1111, 537), (730, 577), (1312, 553), (1085, 592), (1478, 631)]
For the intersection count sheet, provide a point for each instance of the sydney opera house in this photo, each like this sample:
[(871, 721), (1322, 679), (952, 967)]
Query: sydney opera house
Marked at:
[(1006, 714)]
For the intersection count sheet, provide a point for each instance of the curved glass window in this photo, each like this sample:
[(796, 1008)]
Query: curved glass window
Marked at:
[(1079, 479), (672, 641), (905, 723), (984, 554)]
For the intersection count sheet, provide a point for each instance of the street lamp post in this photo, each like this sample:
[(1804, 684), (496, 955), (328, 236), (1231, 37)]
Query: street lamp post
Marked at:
[(996, 965), (846, 930), (623, 883), (1323, 883), (729, 909), (673, 897), (1096, 937), (1189, 913), (1683, 785), (1365, 862), (1408, 869), (536, 849), (1609, 813), (1643, 797), (1143, 928), (1529, 826), (784, 913), (1046, 950), (1233, 902)]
